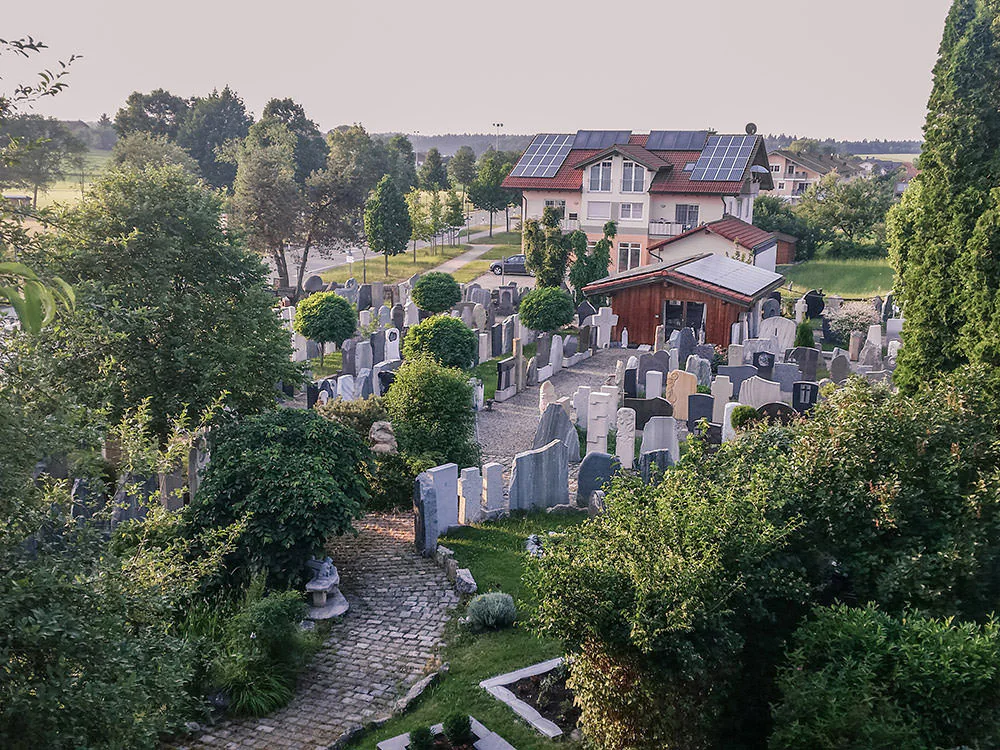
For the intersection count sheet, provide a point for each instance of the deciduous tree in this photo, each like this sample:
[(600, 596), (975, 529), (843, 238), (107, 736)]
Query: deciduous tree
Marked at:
[(37, 151), (310, 149), (159, 113), (486, 191), (212, 122), (140, 150), (433, 175), (387, 220)]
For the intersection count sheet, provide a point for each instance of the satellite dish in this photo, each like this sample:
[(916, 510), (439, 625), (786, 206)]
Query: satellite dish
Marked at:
[(751, 129)]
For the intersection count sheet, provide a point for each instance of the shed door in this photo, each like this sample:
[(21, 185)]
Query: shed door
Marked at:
[(677, 315)]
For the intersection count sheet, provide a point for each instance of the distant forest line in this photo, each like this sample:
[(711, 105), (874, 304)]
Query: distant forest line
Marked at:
[(102, 137)]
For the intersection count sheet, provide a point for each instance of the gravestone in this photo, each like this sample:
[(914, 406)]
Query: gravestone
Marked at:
[(496, 340), (737, 375), (470, 496), (384, 316), (631, 385), (584, 311), (857, 341), (770, 308), (546, 397), (805, 394), (893, 330), (385, 379), (722, 391), (378, 293), (411, 314), (656, 361), (728, 431), (363, 356), (570, 346), (705, 351), (398, 316), (875, 336), (840, 368), (686, 342), (598, 418), (363, 383), (596, 470), (786, 374), (531, 373), (757, 391), (587, 334), (543, 347), (426, 528), (814, 303), (493, 487), (700, 406), (377, 342), (700, 368), (781, 329), (753, 346), (445, 478), (647, 408), (345, 388), (479, 317), (625, 439), (661, 460), (679, 386), (580, 400), (508, 335), (777, 413), (392, 347), (556, 354), (348, 361), (654, 384), (364, 296), (871, 355), (506, 384), (801, 310), (660, 339), (540, 478), (485, 353), (555, 424), (604, 321), (764, 362), (807, 358), (735, 355), (660, 433)]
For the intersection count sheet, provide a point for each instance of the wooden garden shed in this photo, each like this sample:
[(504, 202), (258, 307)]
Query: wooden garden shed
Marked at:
[(705, 292)]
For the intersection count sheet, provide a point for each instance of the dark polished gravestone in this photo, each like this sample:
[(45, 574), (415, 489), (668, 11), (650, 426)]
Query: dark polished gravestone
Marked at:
[(764, 362), (777, 413), (686, 343), (770, 308), (647, 408), (654, 463), (737, 374), (496, 339), (805, 394), (364, 296), (807, 358), (596, 470), (631, 384), (385, 379), (814, 303), (700, 406), (584, 311)]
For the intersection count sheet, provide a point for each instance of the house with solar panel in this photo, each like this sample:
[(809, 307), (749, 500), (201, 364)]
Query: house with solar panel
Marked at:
[(655, 185)]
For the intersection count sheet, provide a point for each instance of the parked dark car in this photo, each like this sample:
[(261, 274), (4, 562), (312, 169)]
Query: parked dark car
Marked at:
[(513, 264)]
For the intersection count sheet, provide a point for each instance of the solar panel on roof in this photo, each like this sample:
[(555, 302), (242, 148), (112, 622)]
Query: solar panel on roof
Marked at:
[(600, 138), (730, 274), (724, 158), (544, 156), (676, 140)]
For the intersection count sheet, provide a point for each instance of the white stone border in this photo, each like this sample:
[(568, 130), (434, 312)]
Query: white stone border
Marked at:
[(496, 686), (485, 739)]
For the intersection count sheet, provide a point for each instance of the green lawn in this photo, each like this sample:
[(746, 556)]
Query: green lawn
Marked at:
[(890, 157), (67, 190), (494, 552), (401, 267), (487, 371), (847, 278), (331, 365), (500, 238), (476, 268)]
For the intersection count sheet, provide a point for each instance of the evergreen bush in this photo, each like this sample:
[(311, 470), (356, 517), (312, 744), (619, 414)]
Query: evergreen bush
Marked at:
[(546, 309), (448, 340), (804, 335), (436, 292), (458, 729)]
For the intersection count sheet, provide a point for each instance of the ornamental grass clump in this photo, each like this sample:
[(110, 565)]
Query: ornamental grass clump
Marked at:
[(492, 611)]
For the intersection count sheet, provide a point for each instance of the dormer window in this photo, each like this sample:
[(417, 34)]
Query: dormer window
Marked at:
[(600, 177), (633, 177)]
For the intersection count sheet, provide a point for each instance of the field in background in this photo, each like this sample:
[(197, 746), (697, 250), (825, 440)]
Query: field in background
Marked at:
[(401, 267), (890, 157), (846, 278), (68, 189)]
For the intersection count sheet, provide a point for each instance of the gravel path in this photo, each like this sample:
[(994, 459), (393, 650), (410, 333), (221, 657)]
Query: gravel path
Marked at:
[(386, 642), (510, 428)]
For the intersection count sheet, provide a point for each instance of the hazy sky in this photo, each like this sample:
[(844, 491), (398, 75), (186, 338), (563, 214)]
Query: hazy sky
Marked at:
[(845, 69)]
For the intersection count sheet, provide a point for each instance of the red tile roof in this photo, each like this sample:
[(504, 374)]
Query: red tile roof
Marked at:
[(638, 139), (729, 227), (637, 153), (676, 180)]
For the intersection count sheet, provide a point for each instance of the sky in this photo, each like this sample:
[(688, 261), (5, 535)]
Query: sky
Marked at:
[(850, 69)]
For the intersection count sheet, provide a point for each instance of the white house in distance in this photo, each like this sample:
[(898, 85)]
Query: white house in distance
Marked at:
[(793, 173), (653, 185)]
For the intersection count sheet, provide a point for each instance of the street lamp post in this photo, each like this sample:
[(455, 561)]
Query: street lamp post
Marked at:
[(498, 125)]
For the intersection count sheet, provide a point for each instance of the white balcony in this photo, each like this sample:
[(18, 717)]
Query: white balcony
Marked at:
[(666, 228), (569, 225)]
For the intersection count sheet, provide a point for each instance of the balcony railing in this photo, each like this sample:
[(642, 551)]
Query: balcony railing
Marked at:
[(666, 228), (569, 225)]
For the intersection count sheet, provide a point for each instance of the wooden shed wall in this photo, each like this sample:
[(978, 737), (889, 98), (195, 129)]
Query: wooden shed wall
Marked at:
[(638, 308)]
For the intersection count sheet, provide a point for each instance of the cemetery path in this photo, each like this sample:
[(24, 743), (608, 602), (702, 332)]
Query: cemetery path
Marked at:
[(388, 640), (510, 427), (450, 266)]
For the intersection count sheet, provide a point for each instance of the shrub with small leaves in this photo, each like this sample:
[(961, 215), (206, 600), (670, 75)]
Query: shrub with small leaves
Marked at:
[(492, 611), (448, 340), (546, 309), (852, 316), (458, 729), (436, 292), (804, 335), (743, 416), (421, 738), (359, 414)]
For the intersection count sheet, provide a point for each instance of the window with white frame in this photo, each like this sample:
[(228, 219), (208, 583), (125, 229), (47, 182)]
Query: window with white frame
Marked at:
[(781, 186), (558, 205), (628, 255), (633, 177), (600, 177), (686, 215), (631, 211), (775, 167), (598, 209)]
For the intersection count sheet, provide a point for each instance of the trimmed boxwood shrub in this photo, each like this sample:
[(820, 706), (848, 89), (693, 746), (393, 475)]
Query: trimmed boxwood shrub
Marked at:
[(436, 292), (430, 407), (546, 309), (743, 416), (448, 340)]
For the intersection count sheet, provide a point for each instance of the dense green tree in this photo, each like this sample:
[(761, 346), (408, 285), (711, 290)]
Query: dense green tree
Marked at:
[(546, 309), (310, 149), (448, 340), (946, 274), (293, 478), (854, 208), (547, 250), (430, 407), (436, 292), (432, 174), (267, 202), (773, 214), (454, 216), (158, 113), (486, 192), (387, 220), (212, 122), (462, 166), (169, 307), (327, 318), (420, 220), (402, 162), (37, 152), (592, 264), (140, 150)]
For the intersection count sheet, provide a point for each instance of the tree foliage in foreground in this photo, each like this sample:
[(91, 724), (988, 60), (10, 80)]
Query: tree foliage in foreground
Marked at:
[(679, 601)]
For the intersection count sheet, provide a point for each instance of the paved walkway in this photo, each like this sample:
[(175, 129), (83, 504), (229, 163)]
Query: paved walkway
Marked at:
[(386, 642), (450, 266)]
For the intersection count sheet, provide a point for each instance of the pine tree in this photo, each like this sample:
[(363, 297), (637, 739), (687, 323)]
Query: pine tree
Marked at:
[(946, 284)]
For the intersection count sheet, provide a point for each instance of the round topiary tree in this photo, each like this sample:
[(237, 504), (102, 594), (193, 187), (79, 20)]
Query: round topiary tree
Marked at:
[(448, 340), (436, 292), (325, 317), (430, 407), (293, 477), (546, 309)]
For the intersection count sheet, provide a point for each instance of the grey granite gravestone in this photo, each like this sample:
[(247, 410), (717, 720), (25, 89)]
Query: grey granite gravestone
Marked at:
[(596, 470), (540, 477), (555, 424)]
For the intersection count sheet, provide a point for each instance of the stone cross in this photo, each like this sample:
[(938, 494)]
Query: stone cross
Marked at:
[(598, 409), (604, 321)]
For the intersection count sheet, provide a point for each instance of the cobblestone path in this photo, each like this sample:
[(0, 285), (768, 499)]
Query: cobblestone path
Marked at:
[(386, 642)]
